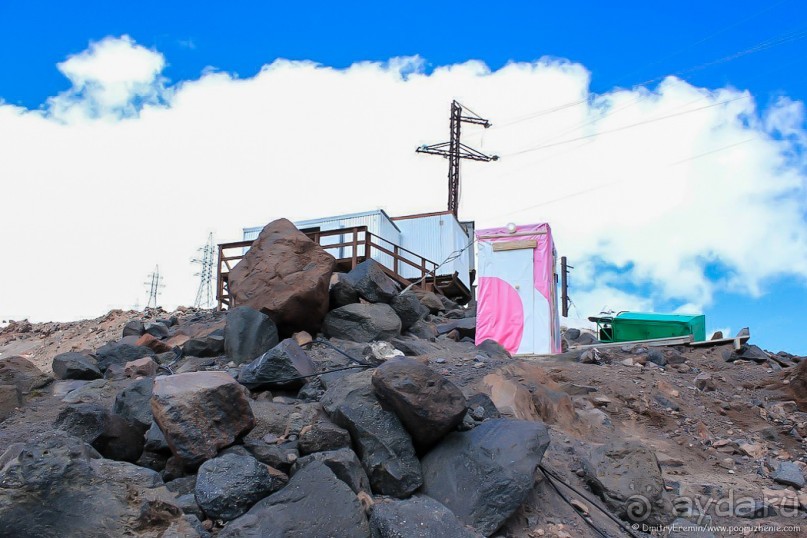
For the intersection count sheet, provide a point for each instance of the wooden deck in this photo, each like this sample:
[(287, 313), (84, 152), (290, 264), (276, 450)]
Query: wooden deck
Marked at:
[(351, 246)]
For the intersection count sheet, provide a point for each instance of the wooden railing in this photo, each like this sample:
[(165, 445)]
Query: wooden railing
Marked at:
[(352, 246)]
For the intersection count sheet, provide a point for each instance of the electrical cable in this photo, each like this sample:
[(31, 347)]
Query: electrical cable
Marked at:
[(330, 345), (549, 473)]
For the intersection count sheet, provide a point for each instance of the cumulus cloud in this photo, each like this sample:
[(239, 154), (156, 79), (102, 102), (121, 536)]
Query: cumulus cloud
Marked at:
[(660, 195)]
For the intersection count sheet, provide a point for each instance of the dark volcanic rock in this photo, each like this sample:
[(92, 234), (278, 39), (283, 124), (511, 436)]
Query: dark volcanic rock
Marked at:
[(281, 456), (10, 399), (228, 486), (285, 275), (278, 368), (22, 373), (362, 323), (133, 328), (134, 402), (342, 292), (57, 486), (111, 435), (789, 474), (372, 283), (465, 327), (211, 345), (408, 308), (428, 404), (345, 465), (385, 449), (322, 435), (417, 517), (200, 413), (248, 333), (485, 474), (314, 504), (120, 354), (74, 365), (621, 469)]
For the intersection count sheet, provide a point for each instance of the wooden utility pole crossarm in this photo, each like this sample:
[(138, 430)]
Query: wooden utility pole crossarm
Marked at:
[(455, 150)]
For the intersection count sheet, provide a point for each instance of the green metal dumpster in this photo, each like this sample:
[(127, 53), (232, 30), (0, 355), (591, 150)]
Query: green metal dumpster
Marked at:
[(629, 326)]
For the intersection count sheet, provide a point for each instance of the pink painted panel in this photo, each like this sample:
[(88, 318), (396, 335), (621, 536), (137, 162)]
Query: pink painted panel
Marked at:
[(502, 319)]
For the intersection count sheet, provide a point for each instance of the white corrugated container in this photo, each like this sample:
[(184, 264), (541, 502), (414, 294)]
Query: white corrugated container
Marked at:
[(377, 222), (436, 237)]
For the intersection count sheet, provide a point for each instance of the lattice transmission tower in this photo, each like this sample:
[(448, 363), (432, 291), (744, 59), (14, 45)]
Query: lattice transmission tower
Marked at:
[(204, 295), (154, 285)]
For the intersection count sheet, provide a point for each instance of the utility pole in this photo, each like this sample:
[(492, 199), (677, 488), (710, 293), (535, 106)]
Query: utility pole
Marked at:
[(204, 295), (564, 286), (454, 150), (154, 286)]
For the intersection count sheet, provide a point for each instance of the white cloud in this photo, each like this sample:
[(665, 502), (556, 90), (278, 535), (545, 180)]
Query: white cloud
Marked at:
[(111, 78), (121, 172)]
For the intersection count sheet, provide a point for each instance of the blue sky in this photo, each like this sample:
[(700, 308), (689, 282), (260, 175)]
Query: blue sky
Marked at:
[(759, 46)]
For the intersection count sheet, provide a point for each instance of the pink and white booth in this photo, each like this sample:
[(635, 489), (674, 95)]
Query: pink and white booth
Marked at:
[(516, 292)]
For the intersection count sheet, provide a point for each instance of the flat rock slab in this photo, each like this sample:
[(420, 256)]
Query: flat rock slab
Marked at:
[(485, 474), (417, 517), (200, 413), (315, 503), (789, 474), (428, 404)]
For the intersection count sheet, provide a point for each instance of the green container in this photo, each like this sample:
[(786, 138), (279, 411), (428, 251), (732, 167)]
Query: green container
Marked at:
[(629, 326)]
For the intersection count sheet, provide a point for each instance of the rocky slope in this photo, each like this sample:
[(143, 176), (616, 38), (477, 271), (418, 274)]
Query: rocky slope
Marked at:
[(389, 422)]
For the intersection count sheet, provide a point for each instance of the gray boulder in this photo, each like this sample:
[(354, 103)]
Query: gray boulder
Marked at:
[(120, 354), (111, 435), (248, 333), (322, 435), (372, 283), (626, 475), (134, 402), (417, 517), (342, 292), (282, 367), (22, 373), (362, 323), (428, 404), (380, 440), (485, 474), (228, 486), (211, 345), (74, 365), (134, 328), (345, 465), (314, 503), (409, 309), (56, 486), (789, 474)]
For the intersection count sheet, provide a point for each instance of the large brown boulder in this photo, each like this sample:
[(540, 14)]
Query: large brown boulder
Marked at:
[(285, 275), (200, 413)]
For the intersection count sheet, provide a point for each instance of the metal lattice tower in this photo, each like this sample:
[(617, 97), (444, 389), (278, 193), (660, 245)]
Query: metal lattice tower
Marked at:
[(456, 150), (204, 296), (155, 284)]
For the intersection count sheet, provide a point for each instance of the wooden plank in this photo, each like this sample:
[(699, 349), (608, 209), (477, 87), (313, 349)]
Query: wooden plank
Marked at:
[(737, 342), (653, 342), (515, 245)]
